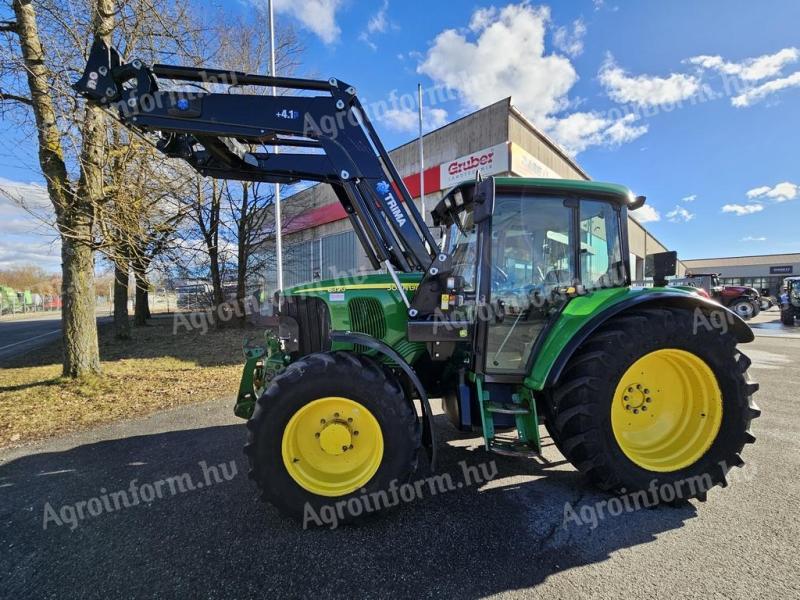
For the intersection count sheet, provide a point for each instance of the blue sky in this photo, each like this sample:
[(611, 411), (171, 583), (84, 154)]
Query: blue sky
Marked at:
[(695, 104)]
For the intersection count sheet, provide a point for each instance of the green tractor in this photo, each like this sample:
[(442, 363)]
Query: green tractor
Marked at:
[(521, 314)]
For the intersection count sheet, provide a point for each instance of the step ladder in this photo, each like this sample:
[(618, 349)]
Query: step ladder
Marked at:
[(526, 443)]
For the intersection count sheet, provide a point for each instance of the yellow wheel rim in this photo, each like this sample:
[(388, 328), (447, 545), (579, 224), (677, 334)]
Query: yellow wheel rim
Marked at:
[(667, 410), (332, 446)]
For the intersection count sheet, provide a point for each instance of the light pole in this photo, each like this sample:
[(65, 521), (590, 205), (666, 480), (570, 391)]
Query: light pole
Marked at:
[(277, 197)]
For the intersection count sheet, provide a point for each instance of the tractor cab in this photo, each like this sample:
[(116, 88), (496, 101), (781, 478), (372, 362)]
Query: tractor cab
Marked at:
[(521, 248)]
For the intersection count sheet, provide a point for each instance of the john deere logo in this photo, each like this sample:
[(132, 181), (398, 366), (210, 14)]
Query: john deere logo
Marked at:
[(383, 188)]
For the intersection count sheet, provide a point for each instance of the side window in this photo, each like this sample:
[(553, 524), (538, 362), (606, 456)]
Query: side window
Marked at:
[(600, 252)]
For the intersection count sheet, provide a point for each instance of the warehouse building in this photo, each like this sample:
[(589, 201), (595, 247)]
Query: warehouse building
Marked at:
[(498, 140), (762, 272)]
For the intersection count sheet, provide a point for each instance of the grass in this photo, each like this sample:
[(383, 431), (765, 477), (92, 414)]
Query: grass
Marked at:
[(154, 370)]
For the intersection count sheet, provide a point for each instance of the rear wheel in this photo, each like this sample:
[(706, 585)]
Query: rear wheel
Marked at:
[(333, 426), (645, 401), (787, 317)]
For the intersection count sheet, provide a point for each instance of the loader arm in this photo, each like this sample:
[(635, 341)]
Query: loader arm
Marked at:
[(225, 135)]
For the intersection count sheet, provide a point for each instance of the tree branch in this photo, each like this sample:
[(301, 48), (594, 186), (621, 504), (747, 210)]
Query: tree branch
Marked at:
[(6, 97)]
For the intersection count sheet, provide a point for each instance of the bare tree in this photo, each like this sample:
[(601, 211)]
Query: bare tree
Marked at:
[(72, 200), (46, 43)]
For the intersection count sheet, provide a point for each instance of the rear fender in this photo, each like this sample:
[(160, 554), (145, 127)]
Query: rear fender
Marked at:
[(711, 315)]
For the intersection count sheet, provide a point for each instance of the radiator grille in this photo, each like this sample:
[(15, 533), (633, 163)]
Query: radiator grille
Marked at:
[(366, 316)]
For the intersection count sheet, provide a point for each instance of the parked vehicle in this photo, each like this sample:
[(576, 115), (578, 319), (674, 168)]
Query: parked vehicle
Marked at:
[(744, 301), (790, 300), (524, 313)]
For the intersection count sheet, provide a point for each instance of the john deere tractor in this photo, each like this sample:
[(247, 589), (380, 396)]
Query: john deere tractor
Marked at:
[(520, 314)]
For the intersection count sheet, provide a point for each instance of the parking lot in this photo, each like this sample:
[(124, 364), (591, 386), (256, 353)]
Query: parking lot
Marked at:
[(507, 536)]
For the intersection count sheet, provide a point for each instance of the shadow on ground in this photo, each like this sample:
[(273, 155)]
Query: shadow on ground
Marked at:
[(221, 541)]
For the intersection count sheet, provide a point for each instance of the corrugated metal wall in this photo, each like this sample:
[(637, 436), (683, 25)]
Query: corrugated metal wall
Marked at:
[(329, 257), (338, 255)]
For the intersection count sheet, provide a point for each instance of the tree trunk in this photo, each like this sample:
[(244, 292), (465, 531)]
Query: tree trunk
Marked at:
[(242, 255), (73, 207), (122, 324), (81, 351), (142, 309)]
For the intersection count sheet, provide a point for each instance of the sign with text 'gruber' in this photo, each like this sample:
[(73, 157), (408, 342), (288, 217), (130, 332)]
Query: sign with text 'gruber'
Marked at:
[(489, 161)]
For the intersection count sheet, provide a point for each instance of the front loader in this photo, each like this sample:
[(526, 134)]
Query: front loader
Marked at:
[(520, 314)]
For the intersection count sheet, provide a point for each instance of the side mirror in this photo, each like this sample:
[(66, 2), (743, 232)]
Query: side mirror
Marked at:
[(659, 266)]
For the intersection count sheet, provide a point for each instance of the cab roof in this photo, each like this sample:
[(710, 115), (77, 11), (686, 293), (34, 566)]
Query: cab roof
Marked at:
[(612, 191)]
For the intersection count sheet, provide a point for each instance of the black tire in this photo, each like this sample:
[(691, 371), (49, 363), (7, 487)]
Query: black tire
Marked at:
[(581, 404), (320, 375), (745, 308), (787, 318)]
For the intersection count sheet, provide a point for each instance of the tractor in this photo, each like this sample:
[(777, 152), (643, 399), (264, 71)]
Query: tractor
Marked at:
[(520, 315), (790, 300), (744, 301)]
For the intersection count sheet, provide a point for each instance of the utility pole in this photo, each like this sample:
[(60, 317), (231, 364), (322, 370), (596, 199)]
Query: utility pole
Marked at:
[(277, 197)]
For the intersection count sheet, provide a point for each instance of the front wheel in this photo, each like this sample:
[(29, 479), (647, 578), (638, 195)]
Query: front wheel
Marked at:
[(745, 308), (787, 318), (332, 427), (648, 401)]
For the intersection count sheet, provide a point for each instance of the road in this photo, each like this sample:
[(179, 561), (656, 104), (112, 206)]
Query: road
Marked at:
[(507, 537), (23, 335)]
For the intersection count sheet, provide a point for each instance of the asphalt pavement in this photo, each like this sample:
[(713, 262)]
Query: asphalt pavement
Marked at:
[(506, 537), (21, 335)]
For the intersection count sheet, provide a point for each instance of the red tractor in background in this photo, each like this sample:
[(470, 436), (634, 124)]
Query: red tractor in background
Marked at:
[(744, 301)]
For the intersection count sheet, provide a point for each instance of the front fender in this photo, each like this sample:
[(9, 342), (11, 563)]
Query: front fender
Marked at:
[(362, 339), (565, 338)]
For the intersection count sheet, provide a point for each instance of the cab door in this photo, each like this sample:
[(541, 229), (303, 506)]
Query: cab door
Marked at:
[(531, 260)]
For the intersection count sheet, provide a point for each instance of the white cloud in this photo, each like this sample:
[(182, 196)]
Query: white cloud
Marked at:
[(318, 16), (690, 198), (780, 193), (742, 209), (570, 42), (645, 90), (749, 69), (506, 58), (578, 131), (758, 93), (28, 234), (750, 238), (646, 214), (501, 54), (407, 120), (378, 23), (679, 215)]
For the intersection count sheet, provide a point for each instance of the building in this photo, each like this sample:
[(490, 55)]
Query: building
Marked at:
[(762, 272), (498, 140)]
